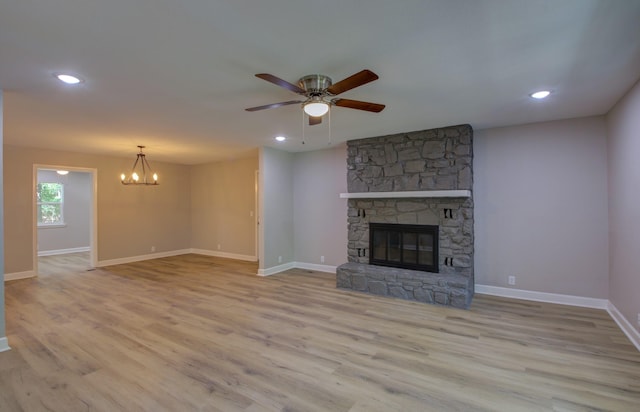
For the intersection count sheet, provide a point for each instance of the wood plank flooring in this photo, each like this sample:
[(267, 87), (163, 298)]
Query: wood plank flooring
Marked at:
[(61, 264), (196, 333)]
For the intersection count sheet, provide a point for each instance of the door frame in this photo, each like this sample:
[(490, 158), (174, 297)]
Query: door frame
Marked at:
[(93, 225)]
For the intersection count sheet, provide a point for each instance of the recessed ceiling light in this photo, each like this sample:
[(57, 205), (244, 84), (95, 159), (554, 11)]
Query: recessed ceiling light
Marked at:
[(68, 79), (281, 138), (541, 94)]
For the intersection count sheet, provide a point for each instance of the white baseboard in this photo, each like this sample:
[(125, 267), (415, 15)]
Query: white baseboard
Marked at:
[(227, 255), (139, 258), (64, 251), (626, 326), (315, 267), (542, 296), (276, 269), (19, 275), (296, 265), (4, 345)]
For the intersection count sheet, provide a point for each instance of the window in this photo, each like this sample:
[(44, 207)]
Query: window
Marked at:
[(50, 198)]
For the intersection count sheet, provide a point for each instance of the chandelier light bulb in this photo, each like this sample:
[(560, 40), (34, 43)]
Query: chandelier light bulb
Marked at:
[(135, 176), (155, 177), (122, 177)]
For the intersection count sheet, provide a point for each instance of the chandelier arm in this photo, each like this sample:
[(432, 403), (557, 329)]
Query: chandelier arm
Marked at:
[(144, 171), (133, 169), (146, 168)]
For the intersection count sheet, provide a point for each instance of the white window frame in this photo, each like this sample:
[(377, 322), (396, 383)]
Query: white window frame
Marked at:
[(62, 222)]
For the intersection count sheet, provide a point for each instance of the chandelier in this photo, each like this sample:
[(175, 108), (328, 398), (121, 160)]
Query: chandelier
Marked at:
[(141, 173)]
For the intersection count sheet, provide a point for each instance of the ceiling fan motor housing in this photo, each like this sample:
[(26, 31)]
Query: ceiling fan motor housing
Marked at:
[(315, 84)]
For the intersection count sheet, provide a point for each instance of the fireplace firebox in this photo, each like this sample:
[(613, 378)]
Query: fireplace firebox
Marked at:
[(404, 246)]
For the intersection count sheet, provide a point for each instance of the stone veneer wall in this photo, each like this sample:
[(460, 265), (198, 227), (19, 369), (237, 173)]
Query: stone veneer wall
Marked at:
[(437, 159)]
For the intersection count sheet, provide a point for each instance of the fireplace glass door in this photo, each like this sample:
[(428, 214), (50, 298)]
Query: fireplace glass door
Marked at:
[(404, 246)]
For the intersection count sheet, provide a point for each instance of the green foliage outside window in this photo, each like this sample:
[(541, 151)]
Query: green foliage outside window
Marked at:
[(50, 201)]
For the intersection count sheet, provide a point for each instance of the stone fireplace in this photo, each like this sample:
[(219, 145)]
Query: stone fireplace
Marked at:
[(418, 179)]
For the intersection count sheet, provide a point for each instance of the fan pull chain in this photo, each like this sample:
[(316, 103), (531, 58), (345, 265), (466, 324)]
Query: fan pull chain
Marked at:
[(329, 118), (302, 111)]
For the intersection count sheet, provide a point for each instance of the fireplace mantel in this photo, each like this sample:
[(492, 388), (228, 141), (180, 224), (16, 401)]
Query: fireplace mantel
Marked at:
[(407, 194)]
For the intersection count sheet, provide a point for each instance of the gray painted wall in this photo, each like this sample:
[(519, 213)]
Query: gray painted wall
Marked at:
[(320, 216), (541, 208), (624, 210), (223, 206), (540, 193), (77, 212), (276, 209)]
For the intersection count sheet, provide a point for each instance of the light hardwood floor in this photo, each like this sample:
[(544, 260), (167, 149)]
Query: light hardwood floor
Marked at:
[(62, 264), (195, 333)]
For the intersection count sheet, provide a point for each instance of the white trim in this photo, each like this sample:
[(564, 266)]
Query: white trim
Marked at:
[(51, 225), (256, 212), (93, 229), (296, 265), (19, 275), (64, 251), (542, 296), (315, 267), (410, 194), (626, 326), (227, 255), (276, 269), (4, 345), (131, 259)]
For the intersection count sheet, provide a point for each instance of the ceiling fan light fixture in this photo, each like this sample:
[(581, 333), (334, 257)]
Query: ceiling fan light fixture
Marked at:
[(316, 108), (319, 91)]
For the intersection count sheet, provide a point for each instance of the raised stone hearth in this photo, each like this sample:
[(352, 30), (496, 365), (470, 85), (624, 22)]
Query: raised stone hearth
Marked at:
[(443, 289), (430, 160)]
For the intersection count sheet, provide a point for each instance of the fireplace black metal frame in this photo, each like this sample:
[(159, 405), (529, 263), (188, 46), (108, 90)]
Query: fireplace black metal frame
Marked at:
[(432, 230)]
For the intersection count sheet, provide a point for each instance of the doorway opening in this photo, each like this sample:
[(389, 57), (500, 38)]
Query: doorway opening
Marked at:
[(65, 219)]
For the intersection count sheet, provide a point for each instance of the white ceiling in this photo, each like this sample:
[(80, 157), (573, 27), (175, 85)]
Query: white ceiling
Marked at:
[(176, 75)]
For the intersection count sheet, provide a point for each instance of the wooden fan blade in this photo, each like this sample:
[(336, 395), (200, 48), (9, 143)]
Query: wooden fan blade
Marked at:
[(315, 120), (352, 81), (272, 105), (356, 104), (279, 82)]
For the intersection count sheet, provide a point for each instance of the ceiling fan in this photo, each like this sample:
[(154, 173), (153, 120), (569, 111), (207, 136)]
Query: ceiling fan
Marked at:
[(319, 91)]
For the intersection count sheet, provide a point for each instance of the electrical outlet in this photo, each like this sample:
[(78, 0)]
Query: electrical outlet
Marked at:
[(321, 259), (279, 259), (153, 248), (512, 280), (218, 246), (251, 213)]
